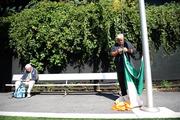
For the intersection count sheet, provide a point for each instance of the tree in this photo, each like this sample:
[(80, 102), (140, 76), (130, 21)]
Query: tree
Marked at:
[(54, 34)]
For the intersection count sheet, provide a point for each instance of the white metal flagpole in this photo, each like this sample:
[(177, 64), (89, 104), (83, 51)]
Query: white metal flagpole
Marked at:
[(147, 69)]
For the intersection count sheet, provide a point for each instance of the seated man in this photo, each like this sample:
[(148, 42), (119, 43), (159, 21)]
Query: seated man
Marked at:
[(29, 77)]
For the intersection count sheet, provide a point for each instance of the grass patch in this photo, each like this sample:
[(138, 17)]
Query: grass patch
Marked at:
[(40, 118)]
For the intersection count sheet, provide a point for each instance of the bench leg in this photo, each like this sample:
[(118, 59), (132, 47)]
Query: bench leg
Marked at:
[(65, 91)]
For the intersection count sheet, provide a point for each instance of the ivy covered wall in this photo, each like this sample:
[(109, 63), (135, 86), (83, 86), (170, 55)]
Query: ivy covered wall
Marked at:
[(72, 36), (54, 34)]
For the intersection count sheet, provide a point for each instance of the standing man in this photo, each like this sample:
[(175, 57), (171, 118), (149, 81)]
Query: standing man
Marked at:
[(121, 46), (29, 77)]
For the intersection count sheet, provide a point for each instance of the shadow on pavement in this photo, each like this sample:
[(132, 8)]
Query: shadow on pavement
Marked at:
[(108, 95)]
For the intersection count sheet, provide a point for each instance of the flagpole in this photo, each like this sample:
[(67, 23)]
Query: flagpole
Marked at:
[(147, 69)]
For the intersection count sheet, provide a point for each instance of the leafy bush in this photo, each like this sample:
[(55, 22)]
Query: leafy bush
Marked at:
[(54, 34), (163, 26)]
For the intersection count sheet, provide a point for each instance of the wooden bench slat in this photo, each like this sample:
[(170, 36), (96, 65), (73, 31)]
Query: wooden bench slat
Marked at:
[(66, 85), (72, 76)]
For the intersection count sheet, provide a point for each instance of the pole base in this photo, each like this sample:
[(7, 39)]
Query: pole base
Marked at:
[(150, 109)]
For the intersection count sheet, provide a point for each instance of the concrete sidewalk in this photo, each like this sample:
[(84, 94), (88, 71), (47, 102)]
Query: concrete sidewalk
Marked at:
[(86, 106)]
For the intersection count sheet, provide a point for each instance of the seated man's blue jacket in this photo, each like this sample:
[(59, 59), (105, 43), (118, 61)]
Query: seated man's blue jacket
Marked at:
[(33, 74)]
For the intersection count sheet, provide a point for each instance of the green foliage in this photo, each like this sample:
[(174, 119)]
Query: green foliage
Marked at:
[(166, 84), (163, 26), (53, 34)]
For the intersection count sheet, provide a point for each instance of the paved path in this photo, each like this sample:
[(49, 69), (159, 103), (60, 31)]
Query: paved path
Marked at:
[(84, 104)]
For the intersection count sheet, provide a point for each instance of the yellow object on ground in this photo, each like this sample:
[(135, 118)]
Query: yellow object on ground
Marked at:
[(121, 106)]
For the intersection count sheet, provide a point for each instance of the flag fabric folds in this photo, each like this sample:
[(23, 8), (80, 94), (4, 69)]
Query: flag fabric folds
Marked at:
[(133, 75), (134, 80)]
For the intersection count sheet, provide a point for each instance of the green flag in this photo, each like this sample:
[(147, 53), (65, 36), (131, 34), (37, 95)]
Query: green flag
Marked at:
[(134, 82), (133, 75)]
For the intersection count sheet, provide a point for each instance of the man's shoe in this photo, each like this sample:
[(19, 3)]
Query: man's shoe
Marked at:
[(98, 90), (28, 95)]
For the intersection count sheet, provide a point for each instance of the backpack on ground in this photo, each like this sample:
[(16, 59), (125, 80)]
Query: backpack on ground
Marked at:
[(20, 92)]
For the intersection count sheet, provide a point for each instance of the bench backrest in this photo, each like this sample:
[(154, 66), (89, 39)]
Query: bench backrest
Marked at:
[(72, 76)]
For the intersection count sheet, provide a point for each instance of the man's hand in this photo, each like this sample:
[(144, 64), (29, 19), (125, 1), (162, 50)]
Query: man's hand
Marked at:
[(120, 50), (28, 80), (125, 49)]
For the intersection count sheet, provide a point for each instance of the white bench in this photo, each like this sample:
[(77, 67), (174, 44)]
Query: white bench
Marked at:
[(66, 77)]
